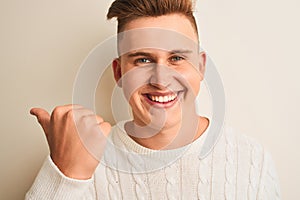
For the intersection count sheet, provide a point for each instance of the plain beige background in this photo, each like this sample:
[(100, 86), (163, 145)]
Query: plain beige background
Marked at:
[(255, 45)]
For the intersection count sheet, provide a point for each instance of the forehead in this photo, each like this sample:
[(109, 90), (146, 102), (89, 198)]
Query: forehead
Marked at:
[(174, 22), (166, 32)]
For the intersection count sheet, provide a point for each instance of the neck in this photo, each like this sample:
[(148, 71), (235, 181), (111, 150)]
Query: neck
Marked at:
[(168, 137)]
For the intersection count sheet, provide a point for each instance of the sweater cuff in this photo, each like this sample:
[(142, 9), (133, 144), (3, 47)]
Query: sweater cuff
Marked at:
[(51, 183)]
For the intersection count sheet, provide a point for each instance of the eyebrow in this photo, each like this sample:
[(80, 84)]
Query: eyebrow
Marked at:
[(181, 51), (140, 53), (146, 54)]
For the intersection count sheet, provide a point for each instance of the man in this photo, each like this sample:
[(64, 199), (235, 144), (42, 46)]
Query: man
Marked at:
[(156, 155)]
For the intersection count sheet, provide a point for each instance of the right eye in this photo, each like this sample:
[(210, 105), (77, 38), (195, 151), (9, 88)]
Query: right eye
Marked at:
[(142, 61)]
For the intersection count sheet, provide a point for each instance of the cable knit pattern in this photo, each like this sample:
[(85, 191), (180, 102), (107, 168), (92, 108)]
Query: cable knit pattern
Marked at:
[(172, 187), (140, 180), (204, 177), (236, 168), (270, 177), (113, 183), (230, 166), (255, 170)]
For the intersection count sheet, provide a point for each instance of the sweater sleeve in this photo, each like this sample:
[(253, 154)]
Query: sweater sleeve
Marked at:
[(51, 183), (269, 187)]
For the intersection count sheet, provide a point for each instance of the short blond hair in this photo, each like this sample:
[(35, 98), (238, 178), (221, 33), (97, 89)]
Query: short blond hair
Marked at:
[(128, 10)]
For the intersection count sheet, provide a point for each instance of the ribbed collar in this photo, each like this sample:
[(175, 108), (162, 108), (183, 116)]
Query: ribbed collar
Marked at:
[(124, 154), (133, 146)]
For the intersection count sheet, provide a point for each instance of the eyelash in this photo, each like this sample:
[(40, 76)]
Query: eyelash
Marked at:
[(140, 60), (178, 57), (147, 60)]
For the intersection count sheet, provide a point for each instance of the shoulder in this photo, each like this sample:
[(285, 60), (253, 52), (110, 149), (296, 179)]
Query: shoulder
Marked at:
[(243, 153), (249, 162), (239, 143)]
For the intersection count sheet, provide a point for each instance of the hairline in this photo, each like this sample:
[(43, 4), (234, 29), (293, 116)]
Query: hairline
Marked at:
[(194, 27)]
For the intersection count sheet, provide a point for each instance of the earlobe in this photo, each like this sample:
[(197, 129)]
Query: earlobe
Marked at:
[(202, 64), (116, 65)]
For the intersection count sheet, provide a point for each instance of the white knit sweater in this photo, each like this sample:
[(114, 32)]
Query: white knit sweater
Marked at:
[(235, 168)]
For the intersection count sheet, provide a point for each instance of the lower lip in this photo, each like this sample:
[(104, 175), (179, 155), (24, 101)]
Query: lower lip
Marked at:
[(161, 105)]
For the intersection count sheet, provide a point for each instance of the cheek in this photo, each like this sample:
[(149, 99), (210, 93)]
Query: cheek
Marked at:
[(195, 84), (136, 102), (133, 99), (126, 66), (193, 78)]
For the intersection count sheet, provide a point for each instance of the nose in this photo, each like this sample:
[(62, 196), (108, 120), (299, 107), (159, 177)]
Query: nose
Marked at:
[(161, 76)]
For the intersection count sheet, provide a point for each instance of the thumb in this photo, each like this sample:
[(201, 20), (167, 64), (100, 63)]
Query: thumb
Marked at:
[(43, 118)]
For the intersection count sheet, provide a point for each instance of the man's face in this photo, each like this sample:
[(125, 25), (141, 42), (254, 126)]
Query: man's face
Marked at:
[(159, 67)]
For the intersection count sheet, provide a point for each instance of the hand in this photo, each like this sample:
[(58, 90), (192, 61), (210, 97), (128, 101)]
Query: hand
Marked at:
[(76, 138)]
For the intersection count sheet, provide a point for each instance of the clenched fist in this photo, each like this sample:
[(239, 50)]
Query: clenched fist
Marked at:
[(76, 138)]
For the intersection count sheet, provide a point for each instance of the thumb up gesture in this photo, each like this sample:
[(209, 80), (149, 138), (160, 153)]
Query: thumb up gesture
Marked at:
[(76, 138)]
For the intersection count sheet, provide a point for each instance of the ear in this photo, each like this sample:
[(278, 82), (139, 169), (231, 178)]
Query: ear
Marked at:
[(202, 64), (116, 65)]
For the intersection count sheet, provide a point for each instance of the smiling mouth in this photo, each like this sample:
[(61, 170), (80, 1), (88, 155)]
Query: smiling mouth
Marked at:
[(162, 98)]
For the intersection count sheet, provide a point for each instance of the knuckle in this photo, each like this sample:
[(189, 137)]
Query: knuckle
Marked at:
[(105, 127), (85, 118), (88, 120), (70, 114), (57, 111), (85, 121)]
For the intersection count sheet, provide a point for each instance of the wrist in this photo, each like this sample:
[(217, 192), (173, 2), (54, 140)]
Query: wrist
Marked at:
[(79, 171)]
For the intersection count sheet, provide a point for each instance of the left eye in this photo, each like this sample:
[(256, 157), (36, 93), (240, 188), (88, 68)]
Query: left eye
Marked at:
[(176, 58)]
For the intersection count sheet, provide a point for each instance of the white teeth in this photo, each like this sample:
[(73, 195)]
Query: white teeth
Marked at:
[(166, 99), (163, 99)]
